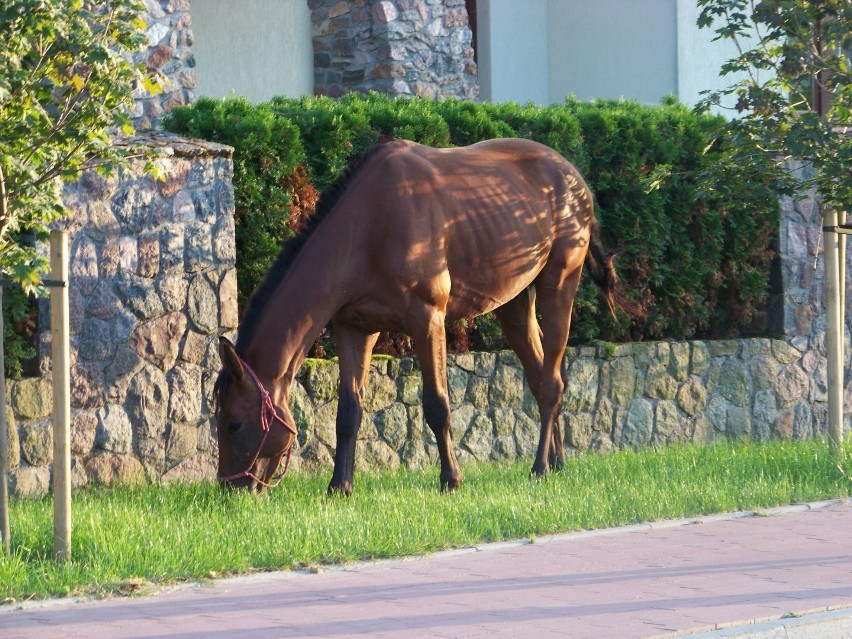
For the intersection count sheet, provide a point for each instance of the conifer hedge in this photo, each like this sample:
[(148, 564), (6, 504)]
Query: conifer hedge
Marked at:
[(696, 254)]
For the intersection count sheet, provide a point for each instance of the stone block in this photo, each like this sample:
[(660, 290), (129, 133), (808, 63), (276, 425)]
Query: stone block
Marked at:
[(792, 385), (477, 392), (639, 423), (581, 388), (184, 385), (32, 397), (14, 453), (37, 443), (507, 387), (692, 396), (197, 468), (392, 425), (659, 382), (456, 384), (479, 439), (147, 402), (84, 426), (115, 432), (578, 431), (679, 361), (618, 380), (668, 426), (734, 383), (375, 454), (182, 442), (380, 392), (158, 340), (320, 379), (29, 482), (110, 469)]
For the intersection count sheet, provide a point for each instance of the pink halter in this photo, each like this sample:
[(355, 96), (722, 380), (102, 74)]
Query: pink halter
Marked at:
[(267, 415)]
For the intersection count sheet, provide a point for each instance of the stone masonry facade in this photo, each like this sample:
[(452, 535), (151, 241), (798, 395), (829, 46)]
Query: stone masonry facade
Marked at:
[(169, 54), (398, 47)]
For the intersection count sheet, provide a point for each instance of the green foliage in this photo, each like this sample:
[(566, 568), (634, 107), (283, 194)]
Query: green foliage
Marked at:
[(786, 48), (695, 258), (267, 149), (65, 86), (18, 323), (684, 250)]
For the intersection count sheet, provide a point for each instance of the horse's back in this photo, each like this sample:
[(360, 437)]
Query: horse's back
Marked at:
[(486, 218)]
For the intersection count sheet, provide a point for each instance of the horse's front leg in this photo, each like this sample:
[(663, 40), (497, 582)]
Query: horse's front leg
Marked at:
[(354, 349), (430, 344)]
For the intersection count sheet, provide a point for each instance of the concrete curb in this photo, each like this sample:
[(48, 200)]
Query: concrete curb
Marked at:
[(828, 624)]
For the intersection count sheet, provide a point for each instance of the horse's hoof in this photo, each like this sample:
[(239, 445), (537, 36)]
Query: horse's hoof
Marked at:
[(450, 485), (539, 471), (557, 464), (343, 489)]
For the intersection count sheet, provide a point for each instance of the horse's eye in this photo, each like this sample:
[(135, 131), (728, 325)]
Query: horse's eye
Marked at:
[(233, 427)]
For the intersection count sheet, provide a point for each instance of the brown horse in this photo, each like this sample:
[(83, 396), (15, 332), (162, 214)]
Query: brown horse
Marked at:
[(412, 237)]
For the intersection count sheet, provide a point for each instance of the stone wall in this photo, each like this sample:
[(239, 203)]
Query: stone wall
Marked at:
[(152, 283), (399, 47), (631, 395)]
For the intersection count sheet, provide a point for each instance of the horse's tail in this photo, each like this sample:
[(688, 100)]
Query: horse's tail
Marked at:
[(600, 264)]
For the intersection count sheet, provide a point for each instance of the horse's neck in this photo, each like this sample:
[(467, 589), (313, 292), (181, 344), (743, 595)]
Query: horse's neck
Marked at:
[(307, 298)]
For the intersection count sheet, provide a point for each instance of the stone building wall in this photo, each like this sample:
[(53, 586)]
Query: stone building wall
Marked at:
[(152, 282), (169, 53), (398, 47)]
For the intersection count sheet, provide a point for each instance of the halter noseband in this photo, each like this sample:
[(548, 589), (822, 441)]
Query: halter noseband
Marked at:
[(267, 415)]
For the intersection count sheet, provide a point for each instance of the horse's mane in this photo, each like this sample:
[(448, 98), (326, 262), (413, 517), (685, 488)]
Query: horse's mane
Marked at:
[(292, 247)]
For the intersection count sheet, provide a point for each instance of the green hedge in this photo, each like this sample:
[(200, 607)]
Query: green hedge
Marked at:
[(695, 253)]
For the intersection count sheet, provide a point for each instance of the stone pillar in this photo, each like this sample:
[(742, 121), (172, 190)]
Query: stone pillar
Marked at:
[(398, 47), (803, 271), (152, 283)]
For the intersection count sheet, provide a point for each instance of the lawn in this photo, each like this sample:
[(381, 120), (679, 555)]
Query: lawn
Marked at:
[(131, 538)]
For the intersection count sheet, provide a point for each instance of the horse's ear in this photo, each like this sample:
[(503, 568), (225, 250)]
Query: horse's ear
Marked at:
[(230, 360)]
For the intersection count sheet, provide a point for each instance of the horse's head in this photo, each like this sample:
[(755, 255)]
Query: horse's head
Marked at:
[(253, 433)]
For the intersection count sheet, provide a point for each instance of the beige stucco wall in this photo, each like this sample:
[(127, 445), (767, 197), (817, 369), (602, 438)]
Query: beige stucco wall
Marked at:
[(699, 58), (543, 50), (512, 47), (612, 49), (255, 48)]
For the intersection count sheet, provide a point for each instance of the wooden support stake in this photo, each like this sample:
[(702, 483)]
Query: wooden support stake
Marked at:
[(4, 444), (834, 330), (61, 397)]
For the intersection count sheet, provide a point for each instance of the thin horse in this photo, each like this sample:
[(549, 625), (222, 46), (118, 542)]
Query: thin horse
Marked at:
[(411, 237)]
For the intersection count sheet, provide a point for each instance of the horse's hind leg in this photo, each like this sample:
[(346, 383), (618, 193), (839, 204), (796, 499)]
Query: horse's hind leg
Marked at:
[(430, 344), (523, 334), (354, 349), (556, 292)]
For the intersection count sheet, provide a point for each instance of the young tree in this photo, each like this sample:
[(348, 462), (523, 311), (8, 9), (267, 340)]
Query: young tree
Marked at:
[(794, 102), (793, 98), (66, 86)]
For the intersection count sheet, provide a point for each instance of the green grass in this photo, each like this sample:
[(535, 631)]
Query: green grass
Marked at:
[(130, 538)]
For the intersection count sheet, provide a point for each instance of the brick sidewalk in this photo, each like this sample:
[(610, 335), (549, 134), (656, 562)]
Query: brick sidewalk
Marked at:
[(642, 581)]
